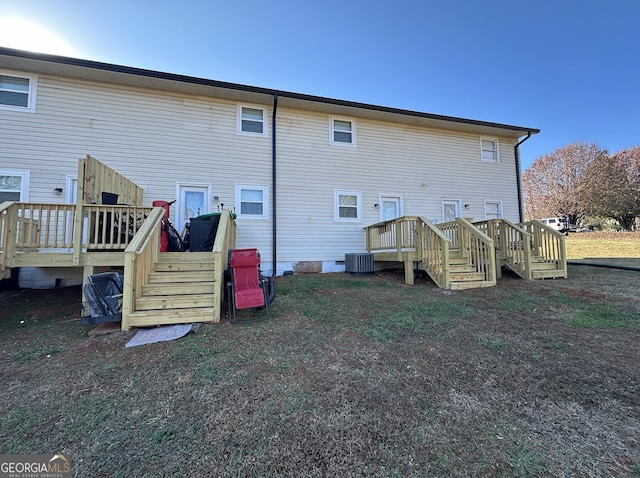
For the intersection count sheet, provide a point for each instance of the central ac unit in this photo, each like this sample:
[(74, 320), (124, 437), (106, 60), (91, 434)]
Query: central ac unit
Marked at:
[(359, 263)]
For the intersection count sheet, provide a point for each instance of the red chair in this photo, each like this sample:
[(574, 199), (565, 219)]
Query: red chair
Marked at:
[(247, 288)]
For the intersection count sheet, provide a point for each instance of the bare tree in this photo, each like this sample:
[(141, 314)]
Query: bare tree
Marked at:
[(553, 182), (611, 187)]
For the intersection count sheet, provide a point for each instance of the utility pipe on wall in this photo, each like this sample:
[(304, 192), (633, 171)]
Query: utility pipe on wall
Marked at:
[(273, 187), (518, 181)]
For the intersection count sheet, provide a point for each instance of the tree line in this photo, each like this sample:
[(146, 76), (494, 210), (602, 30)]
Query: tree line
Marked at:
[(583, 180)]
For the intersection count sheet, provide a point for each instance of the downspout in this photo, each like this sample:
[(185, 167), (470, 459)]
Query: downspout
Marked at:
[(518, 179), (273, 182)]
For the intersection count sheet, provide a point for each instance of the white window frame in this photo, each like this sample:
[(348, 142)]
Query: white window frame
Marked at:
[(265, 201), (24, 183), (382, 197), (493, 201), (496, 151), (31, 93), (458, 206), (332, 131), (239, 129), (336, 205)]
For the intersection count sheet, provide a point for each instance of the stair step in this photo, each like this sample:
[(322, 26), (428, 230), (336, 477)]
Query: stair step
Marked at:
[(185, 257), (183, 266), (471, 285), (466, 276), (148, 318), (554, 274), (186, 276), (543, 266), (461, 268), (169, 288), (164, 302)]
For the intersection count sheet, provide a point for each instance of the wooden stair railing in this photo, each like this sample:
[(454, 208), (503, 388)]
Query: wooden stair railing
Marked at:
[(434, 252), (476, 248), (139, 258), (175, 287), (513, 245), (548, 251)]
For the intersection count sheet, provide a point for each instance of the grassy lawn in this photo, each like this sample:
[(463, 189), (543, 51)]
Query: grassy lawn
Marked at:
[(353, 376), (610, 248)]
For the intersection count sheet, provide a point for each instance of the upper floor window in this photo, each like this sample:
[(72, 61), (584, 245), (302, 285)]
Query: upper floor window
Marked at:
[(343, 131), (14, 186), (251, 120), (252, 201), (17, 92), (347, 206), (489, 150)]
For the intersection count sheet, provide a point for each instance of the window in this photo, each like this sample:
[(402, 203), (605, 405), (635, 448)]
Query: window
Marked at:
[(347, 206), (252, 202), (492, 209), (343, 131), (251, 120), (17, 92), (14, 186), (489, 150)]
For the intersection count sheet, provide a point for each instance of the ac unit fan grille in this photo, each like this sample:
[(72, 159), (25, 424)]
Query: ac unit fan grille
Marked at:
[(361, 263)]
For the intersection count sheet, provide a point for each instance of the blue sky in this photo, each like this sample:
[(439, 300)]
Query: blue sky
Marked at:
[(570, 68)]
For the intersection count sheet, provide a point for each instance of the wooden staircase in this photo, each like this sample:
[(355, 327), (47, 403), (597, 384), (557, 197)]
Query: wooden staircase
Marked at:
[(543, 269), (180, 289), (463, 274)]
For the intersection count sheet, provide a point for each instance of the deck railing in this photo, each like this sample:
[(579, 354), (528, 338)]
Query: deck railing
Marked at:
[(413, 233), (393, 235), (225, 240), (474, 245), (139, 258), (433, 248), (513, 245), (112, 227), (33, 227), (547, 244)]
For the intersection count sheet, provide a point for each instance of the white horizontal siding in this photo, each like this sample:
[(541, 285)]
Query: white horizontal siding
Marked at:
[(157, 139), (388, 159)]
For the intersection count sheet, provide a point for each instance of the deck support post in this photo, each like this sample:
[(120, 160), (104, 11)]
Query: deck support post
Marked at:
[(408, 272)]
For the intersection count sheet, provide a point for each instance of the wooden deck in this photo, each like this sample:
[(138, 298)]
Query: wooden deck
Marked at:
[(462, 255), (159, 288)]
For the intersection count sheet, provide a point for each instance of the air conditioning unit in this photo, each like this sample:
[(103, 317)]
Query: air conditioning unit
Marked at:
[(360, 263)]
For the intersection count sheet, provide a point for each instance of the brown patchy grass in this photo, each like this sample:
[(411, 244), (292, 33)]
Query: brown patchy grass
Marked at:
[(608, 247), (353, 376)]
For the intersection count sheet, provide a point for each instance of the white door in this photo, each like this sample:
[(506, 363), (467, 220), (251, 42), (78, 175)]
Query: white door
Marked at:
[(450, 210), (390, 207), (193, 201)]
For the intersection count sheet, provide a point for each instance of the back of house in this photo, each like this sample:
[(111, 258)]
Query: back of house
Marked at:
[(303, 174)]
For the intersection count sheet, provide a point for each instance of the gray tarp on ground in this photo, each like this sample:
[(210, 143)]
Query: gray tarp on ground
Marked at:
[(161, 334)]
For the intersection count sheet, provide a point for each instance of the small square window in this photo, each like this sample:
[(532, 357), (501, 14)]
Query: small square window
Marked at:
[(14, 186), (252, 202), (251, 120), (17, 92), (343, 131), (489, 149), (347, 206)]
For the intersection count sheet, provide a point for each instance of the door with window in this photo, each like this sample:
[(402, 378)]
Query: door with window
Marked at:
[(390, 207), (193, 201), (450, 209)]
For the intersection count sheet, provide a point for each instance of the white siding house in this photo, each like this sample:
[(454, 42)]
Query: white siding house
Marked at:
[(338, 166)]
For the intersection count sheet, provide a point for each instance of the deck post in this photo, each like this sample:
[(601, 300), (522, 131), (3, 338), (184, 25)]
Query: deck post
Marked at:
[(408, 270), (78, 221)]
